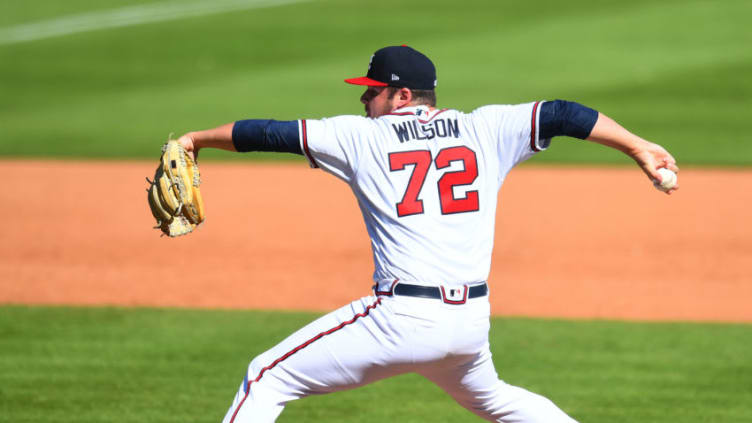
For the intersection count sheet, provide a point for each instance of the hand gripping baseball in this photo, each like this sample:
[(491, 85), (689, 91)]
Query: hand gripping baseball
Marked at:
[(174, 195), (649, 156), (652, 158)]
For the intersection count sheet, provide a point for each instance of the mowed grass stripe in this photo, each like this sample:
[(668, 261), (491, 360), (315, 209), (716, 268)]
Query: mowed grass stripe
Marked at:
[(650, 65), (71, 364), (128, 16)]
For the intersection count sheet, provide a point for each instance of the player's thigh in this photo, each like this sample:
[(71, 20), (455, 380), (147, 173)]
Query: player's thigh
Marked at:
[(340, 350), (473, 382)]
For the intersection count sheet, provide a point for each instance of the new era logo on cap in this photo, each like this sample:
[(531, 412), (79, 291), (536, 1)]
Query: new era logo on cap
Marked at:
[(398, 66)]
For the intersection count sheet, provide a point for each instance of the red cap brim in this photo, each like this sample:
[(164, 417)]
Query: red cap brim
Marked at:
[(363, 80)]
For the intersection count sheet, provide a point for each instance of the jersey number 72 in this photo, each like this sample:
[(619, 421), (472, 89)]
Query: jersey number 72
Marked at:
[(422, 159)]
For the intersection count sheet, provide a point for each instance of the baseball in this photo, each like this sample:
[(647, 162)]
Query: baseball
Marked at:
[(669, 179)]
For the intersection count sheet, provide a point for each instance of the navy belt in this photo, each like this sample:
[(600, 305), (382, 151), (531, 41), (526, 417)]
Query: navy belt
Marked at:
[(457, 295)]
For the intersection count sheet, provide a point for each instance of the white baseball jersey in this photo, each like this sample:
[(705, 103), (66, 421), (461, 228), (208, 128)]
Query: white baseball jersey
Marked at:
[(427, 183)]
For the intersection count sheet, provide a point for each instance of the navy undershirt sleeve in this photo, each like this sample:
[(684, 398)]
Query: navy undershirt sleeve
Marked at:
[(266, 135), (561, 117)]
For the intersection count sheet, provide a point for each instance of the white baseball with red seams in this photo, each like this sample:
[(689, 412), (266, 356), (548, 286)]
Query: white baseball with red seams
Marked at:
[(427, 183)]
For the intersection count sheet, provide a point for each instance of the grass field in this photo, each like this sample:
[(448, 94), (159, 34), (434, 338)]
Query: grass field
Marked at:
[(154, 365), (673, 71)]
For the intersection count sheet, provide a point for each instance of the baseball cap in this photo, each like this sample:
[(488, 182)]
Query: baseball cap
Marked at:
[(398, 66)]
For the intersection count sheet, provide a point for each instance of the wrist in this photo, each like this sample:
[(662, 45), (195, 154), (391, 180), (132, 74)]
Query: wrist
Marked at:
[(636, 147)]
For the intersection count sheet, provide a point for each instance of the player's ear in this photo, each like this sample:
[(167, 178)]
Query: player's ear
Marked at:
[(404, 97)]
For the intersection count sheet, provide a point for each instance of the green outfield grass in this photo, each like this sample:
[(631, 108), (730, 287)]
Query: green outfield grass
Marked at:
[(676, 71), (154, 365)]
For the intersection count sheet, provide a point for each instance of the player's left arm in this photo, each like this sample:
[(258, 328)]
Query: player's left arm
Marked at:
[(328, 143), (575, 120), (219, 137), (246, 135)]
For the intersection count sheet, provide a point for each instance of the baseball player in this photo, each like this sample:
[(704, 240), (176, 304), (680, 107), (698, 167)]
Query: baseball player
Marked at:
[(426, 180)]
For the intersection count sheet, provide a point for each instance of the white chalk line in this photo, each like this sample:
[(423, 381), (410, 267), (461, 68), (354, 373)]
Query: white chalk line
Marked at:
[(128, 16)]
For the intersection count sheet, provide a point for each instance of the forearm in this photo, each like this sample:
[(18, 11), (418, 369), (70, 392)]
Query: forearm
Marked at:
[(220, 137), (561, 117), (247, 135), (609, 133), (649, 156)]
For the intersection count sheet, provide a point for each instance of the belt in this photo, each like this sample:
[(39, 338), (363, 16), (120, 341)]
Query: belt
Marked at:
[(457, 295)]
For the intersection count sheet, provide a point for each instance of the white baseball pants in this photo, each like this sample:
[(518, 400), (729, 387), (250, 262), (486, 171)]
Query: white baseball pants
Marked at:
[(378, 337)]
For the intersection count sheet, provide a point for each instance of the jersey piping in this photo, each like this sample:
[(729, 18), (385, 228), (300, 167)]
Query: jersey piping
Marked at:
[(534, 128), (304, 144)]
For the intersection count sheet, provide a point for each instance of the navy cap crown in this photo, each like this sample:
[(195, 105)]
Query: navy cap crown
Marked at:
[(402, 66)]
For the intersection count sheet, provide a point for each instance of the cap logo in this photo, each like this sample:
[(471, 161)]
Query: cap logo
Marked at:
[(395, 77), (370, 62)]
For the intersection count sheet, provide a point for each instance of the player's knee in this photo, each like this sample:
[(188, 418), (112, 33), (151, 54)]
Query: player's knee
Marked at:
[(266, 381), (511, 403), (537, 408), (255, 367)]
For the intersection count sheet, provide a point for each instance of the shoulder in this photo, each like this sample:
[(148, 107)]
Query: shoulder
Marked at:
[(505, 108), (342, 120), (505, 114), (342, 124)]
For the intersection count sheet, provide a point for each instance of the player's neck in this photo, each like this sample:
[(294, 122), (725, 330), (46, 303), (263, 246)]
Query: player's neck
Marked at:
[(414, 107)]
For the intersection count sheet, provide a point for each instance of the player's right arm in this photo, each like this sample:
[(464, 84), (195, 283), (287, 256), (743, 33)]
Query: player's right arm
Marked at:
[(575, 120), (649, 156)]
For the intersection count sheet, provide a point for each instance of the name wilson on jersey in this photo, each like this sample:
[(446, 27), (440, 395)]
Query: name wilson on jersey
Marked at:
[(441, 128)]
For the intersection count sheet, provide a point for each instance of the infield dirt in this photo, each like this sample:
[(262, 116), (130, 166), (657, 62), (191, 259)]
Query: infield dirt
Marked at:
[(570, 242)]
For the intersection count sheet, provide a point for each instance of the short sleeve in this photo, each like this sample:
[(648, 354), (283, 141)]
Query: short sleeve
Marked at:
[(515, 129), (332, 143)]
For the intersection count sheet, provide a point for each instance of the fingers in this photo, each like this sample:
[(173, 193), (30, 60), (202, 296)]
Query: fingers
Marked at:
[(190, 146), (654, 158), (672, 166), (187, 142), (671, 191), (660, 159), (669, 164)]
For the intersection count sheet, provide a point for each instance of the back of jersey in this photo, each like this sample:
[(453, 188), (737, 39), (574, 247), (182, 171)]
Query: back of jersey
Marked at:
[(427, 183)]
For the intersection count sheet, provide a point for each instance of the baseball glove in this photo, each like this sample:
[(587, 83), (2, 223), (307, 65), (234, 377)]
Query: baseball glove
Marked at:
[(174, 195)]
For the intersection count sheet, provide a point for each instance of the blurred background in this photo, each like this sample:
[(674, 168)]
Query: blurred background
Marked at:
[(112, 78)]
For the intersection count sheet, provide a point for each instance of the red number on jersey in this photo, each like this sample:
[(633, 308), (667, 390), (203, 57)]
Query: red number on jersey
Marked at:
[(449, 180), (422, 160)]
